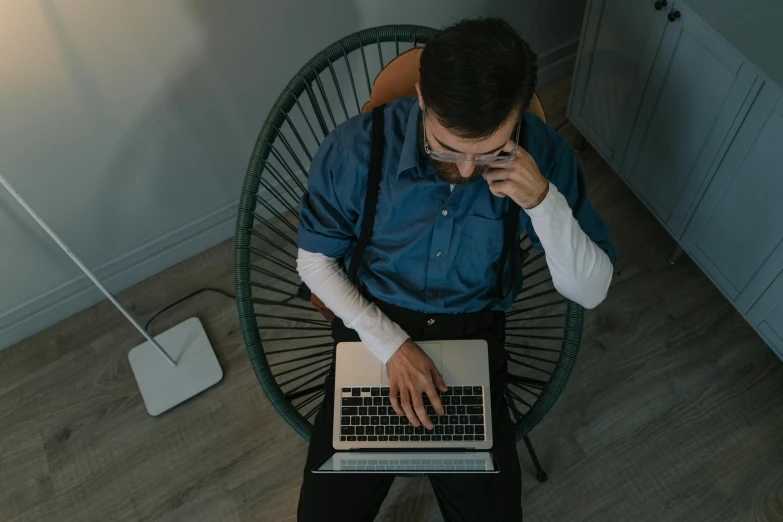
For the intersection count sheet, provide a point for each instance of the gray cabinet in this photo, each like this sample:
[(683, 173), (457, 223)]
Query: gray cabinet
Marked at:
[(736, 234), (696, 90), (696, 130), (767, 315), (619, 39)]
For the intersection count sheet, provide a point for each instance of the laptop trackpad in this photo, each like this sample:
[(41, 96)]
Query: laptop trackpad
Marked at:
[(433, 351)]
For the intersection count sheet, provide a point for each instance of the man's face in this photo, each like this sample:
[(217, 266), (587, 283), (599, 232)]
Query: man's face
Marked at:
[(441, 139)]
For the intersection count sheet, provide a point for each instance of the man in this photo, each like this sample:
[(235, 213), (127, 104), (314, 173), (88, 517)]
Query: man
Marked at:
[(451, 174)]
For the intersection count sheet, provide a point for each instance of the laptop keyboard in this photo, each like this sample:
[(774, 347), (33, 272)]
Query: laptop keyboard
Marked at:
[(367, 416)]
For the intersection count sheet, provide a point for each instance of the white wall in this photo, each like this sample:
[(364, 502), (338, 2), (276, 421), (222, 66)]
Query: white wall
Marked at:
[(128, 124)]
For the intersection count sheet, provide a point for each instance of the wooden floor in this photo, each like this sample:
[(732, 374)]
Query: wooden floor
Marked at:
[(674, 411)]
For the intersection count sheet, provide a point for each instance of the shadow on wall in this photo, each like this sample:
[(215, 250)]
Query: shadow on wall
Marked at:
[(133, 132)]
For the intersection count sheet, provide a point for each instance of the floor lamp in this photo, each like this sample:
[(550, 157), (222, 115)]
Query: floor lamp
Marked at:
[(170, 368)]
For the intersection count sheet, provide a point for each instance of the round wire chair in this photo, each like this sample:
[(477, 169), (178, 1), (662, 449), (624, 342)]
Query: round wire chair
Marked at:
[(287, 339)]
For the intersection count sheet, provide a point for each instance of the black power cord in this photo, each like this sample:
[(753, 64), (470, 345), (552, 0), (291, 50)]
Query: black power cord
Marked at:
[(175, 303)]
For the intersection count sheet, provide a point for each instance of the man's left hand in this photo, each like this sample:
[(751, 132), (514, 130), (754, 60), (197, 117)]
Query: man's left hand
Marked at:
[(518, 179)]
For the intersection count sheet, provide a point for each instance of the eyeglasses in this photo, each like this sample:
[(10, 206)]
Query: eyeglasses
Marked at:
[(478, 159)]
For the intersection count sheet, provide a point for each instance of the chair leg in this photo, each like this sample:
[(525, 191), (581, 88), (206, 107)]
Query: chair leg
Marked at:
[(675, 256), (540, 473)]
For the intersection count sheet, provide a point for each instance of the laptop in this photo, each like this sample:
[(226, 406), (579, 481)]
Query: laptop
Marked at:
[(371, 438)]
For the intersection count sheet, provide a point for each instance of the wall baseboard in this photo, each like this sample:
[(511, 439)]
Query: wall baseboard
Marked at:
[(121, 273), (557, 62)]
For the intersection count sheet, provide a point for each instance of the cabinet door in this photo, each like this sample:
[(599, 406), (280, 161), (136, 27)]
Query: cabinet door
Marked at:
[(767, 315), (617, 49), (697, 88), (736, 233)]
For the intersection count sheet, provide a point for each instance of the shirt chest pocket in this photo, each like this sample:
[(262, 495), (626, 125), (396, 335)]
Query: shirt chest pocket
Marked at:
[(481, 247)]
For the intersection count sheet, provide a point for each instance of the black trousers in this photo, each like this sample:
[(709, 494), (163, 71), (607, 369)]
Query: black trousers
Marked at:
[(461, 497)]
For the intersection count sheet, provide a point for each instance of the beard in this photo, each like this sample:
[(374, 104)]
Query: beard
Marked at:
[(449, 172)]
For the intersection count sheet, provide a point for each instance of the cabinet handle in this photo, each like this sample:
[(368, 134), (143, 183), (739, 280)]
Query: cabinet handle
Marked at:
[(660, 4), (674, 15)]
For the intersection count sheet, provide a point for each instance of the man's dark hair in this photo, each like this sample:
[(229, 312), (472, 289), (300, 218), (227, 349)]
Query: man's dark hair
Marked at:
[(474, 74)]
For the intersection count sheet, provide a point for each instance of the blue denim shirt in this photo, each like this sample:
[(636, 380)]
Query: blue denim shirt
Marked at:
[(432, 250)]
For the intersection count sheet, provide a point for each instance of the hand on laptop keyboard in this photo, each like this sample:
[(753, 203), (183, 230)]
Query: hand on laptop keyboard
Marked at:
[(412, 375)]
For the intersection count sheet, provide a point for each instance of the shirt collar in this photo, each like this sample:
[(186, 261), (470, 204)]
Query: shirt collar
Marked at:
[(409, 154)]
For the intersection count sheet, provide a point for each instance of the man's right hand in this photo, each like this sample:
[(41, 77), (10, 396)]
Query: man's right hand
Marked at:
[(411, 373)]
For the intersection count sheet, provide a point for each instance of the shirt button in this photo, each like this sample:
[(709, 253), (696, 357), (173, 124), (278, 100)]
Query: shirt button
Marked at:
[(435, 293), (439, 253), (444, 212), (431, 322)]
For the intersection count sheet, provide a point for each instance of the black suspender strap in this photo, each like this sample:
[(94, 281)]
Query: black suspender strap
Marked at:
[(371, 195)]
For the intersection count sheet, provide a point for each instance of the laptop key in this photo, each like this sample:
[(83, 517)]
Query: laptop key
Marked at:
[(393, 438), (445, 400), (451, 410), (351, 438), (399, 430), (346, 390), (383, 438), (404, 421), (366, 390), (447, 437), (475, 410), (457, 437), (426, 438), (459, 430), (347, 430), (367, 401), (345, 420), (350, 410), (363, 410), (448, 391), (355, 421), (394, 420), (356, 392), (430, 411), (443, 420), (415, 438), (436, 438), (404, 438), (384, 421), (477, 419), (418, 430), (439, 430), (449, 430), (428, 432), (382, 410), (361, 438), (369, 430), (409, 430), (343, 438), (469, 429), (453, 419), (372, 438), (365, 420), (455, 401), (385, 392), (388, 430), (457, 390), (472, 401), (479, 437), (375, 420), (480, 431), (352, 401), (463, 419), (477, 390), (375, 392), (461, 410), (360, 430), (434, 419), (468, 437), (377, 401), (372, 410), (386, 401)]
